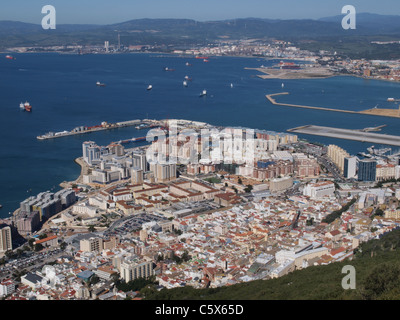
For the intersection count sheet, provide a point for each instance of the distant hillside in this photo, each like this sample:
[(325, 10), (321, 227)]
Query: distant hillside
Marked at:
[(185, 32), (377, 277), (372, 23)]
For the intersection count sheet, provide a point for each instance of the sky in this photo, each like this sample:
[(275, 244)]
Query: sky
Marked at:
[(108, 12)]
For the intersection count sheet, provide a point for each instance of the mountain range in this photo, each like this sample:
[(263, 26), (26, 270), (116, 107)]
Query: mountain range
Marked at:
[(189, 32)]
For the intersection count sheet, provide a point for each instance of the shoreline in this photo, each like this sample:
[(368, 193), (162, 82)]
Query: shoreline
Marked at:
[(84, 170)]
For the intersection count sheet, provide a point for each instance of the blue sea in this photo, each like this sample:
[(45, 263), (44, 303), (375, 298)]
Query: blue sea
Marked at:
[(63, 93)]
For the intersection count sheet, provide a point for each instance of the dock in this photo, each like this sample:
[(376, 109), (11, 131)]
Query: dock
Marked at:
[(348, 134), (392, 113), (96, 128)]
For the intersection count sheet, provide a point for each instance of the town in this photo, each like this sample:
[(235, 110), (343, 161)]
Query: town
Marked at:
[(194, 209), (323, 62)]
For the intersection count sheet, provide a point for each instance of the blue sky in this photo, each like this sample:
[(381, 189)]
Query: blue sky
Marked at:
[(113, 11)]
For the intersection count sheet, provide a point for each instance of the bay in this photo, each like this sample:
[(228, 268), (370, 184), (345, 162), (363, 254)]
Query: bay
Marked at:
[(62, 90)]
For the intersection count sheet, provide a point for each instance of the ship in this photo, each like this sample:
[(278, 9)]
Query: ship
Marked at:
[(138, 139), (27, 107), (10, 57), (289, 65), (149, 87), (204, 93), (185, 84), (99, 84), (200, 57)]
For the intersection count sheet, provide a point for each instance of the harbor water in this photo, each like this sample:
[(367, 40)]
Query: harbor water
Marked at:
[(63, 94)]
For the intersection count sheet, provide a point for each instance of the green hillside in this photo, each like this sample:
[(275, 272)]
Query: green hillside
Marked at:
[(377, 266)]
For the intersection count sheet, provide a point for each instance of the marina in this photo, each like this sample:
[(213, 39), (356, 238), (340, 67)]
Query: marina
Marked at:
[(348, 134)]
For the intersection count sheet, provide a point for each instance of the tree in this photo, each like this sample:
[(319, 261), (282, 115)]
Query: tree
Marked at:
[(93, 280), (249, 188), (382, 279), (115, 277), (91, 228), (31, 242), (240, 181), (43, 236), (38, 247)]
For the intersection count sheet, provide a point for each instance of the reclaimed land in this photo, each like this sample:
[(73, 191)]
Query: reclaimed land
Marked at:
[(392, 113), (310, 73), (355, 135)]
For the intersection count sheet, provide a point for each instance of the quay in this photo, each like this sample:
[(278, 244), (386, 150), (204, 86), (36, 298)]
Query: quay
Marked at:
[(140, 124), (348, 134), (393, 113)]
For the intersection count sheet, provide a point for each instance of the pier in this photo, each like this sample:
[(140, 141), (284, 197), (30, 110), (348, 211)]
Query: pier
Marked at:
[(348, 134), (140, 124), (392, 113)]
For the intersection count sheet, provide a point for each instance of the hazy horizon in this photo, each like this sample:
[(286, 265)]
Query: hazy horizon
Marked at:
[(107, 12)]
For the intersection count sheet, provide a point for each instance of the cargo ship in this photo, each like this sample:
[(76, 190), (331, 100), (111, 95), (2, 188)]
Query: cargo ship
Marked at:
[(130, 140), (289, 65)]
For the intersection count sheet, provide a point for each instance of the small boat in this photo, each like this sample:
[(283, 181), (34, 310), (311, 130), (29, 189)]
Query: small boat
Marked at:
[(188, 64), (204, 93), (187, 78), (168, 69), (1, 206), (27, 106), (10, 57), (283, 85), (185, 84), (231, 85), (21, 106), (99, 84), (206, 60), (150, 87)]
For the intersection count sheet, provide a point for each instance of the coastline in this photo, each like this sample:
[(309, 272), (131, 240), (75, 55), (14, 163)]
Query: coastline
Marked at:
[(84, 170)]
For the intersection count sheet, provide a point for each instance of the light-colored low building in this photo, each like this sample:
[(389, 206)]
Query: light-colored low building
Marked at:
[(319, 190), (280, 184)]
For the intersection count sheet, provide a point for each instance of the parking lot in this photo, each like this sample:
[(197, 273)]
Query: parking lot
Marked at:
[(30, 261), (132, 223)]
